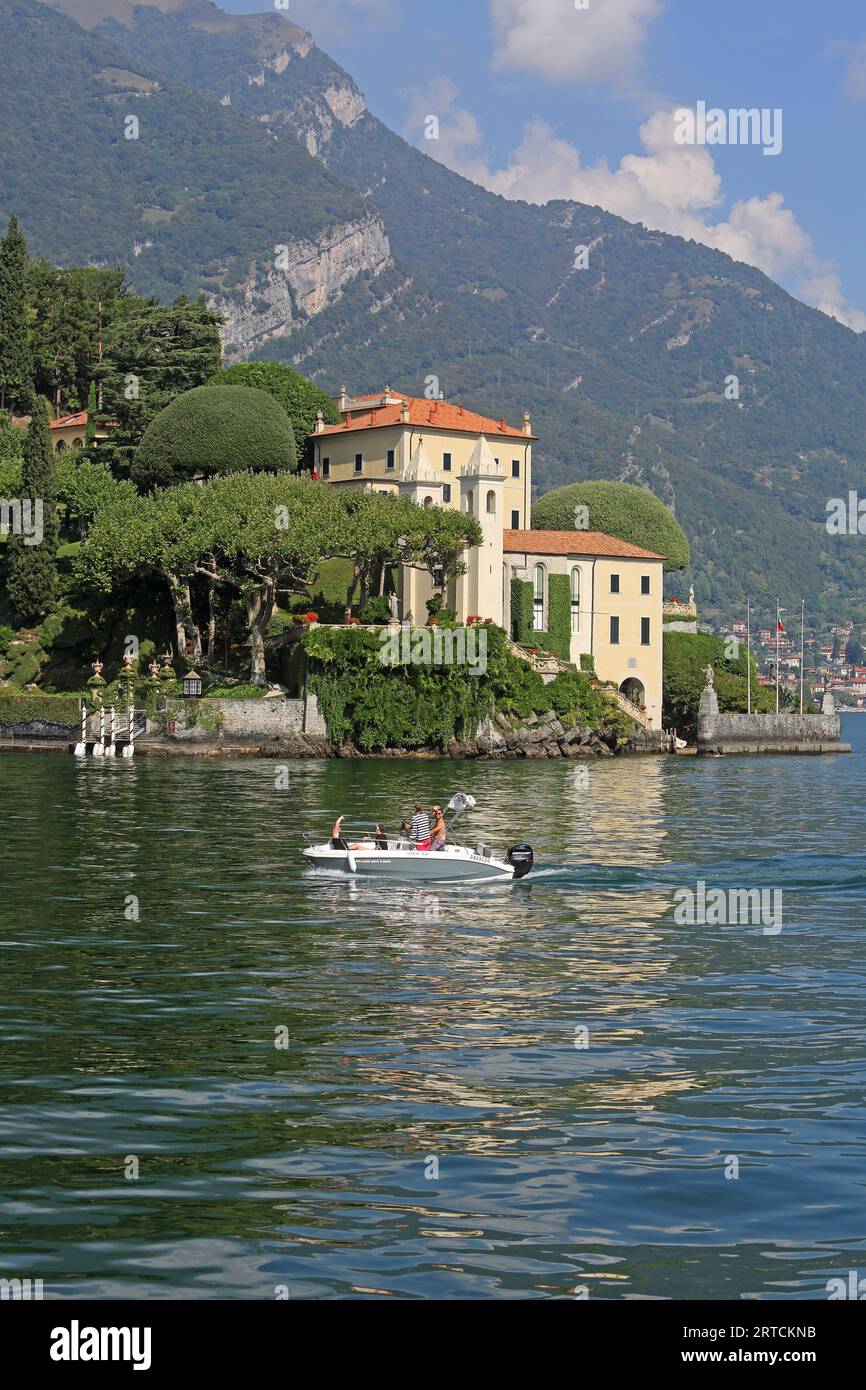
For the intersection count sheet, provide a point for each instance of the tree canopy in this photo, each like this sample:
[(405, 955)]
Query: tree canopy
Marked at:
[(257, 538), (16, 363), (33, 566), (152, 355), (300, 398), (214, 430), (618, 509)]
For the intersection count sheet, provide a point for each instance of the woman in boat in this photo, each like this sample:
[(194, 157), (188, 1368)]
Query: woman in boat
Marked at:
[(337, 841)]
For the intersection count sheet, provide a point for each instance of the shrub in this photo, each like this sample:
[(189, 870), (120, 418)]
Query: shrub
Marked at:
[(212, 430), (618, 509), (375, 610), (235, 692), (62, 710)]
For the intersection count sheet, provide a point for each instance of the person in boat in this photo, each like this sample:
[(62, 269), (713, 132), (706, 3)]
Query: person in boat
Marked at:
[(381, 838), (438, 834), (337, 841), (420, 829)]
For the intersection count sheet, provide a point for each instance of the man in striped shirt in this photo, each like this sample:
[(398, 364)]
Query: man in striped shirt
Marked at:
[(420, 824)]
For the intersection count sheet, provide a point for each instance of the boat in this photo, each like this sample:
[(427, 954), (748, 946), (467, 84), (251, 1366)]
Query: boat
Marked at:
[(399, 858)]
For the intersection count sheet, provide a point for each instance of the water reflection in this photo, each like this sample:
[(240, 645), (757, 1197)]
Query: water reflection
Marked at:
[(430, 1021)]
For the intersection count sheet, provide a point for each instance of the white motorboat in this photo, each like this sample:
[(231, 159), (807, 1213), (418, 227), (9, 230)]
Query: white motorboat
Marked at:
[(399, 858)]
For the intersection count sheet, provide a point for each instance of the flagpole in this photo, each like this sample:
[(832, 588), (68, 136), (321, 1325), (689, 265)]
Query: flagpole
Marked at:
[(777, 655), (802, 648), (749, 654)]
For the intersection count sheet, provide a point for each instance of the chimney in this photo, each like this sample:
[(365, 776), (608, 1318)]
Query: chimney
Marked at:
[(527, 426), (404, 413), (502, 424), (344, 399), (320, 422)]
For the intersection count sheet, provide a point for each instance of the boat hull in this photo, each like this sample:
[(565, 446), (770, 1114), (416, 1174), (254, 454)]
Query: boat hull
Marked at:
[(414, 866)]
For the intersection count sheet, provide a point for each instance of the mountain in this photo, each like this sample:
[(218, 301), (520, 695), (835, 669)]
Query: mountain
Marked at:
[(199, 198), (623, 364)]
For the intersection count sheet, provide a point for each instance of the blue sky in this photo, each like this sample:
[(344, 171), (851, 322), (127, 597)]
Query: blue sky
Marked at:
[(539, 99)]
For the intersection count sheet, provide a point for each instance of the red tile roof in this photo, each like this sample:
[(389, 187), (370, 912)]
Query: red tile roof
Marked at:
[(68, 422), (437, 415), (573, 543)]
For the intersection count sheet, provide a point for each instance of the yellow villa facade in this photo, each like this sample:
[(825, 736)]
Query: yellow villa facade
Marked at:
[(444, 455)]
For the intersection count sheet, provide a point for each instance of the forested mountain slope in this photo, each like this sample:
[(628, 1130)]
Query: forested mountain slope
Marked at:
[(623, 364)]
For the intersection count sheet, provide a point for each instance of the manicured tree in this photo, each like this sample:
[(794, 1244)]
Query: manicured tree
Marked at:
[(381, 530), (16, 363), (211, 430), (300, 398), (253, 536), (618, 509), (33, 567)]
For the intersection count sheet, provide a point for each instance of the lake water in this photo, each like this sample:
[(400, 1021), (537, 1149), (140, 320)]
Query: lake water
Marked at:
[(434, 1126)]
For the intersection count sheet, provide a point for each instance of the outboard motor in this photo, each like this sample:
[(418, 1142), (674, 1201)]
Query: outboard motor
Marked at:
[(521, 859)]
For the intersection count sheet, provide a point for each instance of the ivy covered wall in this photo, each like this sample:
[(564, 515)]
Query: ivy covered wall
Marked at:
[(557, 636)]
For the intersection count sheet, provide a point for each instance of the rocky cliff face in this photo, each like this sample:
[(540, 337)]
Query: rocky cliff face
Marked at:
[(311, 275), (314, 120)]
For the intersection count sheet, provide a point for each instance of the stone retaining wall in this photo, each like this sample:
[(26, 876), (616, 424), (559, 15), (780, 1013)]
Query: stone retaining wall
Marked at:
[(209, 720), (769, 733)]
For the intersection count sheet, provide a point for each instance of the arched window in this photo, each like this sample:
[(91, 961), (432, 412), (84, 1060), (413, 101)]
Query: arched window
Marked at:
[(538, 600), (575, 599), (61, 445), (491, 503), (470, 501), (78, 443), (428, 501)]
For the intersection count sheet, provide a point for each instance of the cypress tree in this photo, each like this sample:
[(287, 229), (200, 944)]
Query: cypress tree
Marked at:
[(16, 364), (33, 568), (90, 432)]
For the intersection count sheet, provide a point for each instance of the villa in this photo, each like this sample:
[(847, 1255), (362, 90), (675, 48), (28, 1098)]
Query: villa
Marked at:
[(602, 596)]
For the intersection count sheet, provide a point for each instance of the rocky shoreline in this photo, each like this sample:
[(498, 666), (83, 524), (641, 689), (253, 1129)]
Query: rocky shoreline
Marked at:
[(542, 736)]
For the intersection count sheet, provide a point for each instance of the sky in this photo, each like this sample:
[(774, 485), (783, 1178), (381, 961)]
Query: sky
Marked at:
[(584, 99)]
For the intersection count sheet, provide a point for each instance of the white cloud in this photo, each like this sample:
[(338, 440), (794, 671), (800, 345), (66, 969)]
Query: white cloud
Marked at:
[(855, 72), (561, 43), (669, 188)]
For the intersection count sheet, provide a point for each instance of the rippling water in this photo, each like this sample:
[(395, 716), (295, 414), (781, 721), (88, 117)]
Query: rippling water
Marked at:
[(431, 1029)]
